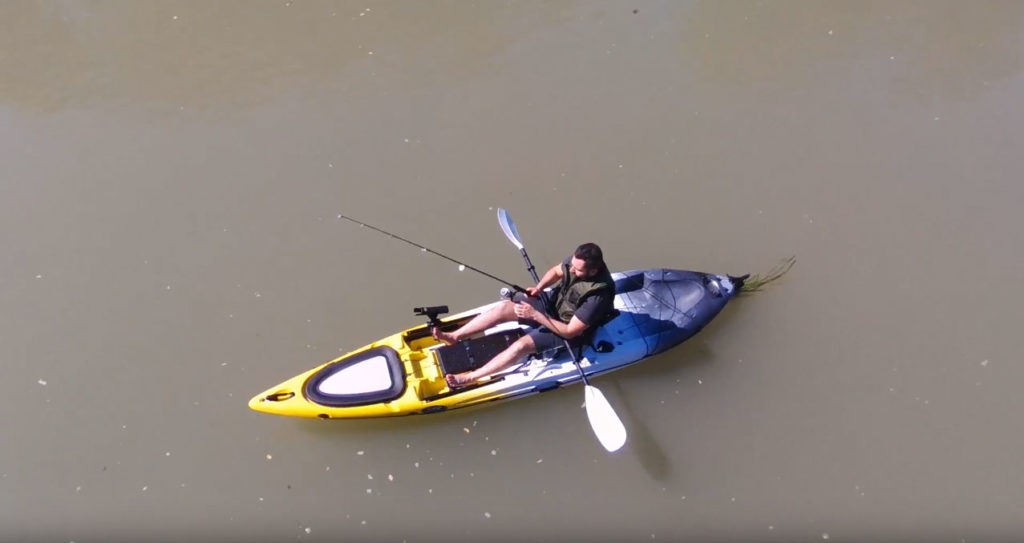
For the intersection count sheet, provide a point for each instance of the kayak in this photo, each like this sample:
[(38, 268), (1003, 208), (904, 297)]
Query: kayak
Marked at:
[(404, 373)]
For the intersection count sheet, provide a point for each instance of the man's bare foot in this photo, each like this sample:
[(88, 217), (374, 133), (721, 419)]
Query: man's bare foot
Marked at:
[(445, 337), (457, 380)]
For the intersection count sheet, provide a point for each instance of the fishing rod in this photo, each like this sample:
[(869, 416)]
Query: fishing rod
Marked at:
[(429, 250)]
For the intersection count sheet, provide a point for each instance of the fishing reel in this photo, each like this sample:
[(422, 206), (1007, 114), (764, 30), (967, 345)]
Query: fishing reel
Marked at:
[(431, 312)]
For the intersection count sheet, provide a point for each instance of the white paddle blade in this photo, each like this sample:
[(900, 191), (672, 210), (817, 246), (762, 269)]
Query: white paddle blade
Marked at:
[(606, 424), (509, 228)]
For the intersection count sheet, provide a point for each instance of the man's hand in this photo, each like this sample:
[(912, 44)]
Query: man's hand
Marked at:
[(525, 311), (533, 292)]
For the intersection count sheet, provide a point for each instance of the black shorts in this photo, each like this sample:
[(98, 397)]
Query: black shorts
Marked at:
[(543, 338), (546, 341)]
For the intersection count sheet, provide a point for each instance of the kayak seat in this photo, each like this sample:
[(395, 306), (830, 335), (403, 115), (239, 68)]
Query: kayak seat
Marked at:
[(586, 341), (473, 353), (601, 346)]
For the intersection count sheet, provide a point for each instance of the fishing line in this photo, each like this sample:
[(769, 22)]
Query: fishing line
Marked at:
[(431, 251)]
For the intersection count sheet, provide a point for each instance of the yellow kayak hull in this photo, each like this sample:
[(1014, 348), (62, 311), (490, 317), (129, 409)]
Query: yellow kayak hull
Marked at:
[(424, 386)]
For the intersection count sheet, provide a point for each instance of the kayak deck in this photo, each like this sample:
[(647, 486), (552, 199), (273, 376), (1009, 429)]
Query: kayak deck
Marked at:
[(403, 373)]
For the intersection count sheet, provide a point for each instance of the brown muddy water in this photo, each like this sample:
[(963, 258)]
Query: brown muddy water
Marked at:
[(172, 173)]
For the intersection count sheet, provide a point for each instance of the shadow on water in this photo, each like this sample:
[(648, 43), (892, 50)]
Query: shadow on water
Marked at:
[(642, 442)]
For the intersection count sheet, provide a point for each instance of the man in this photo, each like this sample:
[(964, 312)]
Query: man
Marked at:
[(582, 300)]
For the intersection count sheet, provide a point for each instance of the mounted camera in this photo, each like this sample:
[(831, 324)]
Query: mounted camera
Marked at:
[(431, 313)]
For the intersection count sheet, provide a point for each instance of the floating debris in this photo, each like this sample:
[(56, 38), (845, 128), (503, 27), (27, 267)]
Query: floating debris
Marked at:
[(42, 382), (757, 282)]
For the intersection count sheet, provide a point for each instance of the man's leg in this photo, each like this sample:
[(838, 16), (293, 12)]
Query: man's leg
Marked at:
[(513, 353), (503, 312)]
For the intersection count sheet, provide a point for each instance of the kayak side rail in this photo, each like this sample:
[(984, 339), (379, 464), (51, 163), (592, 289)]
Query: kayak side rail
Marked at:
[(460, 390)]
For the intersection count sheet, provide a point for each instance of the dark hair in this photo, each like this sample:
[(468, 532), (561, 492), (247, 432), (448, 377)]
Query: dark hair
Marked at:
[(591, 255)]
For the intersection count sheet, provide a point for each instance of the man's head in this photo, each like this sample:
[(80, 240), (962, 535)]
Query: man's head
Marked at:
[(587, 261)]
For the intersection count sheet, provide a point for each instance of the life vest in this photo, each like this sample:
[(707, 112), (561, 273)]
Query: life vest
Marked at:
[(573, 290)]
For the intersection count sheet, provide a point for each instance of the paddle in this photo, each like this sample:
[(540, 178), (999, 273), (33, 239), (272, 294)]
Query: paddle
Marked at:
[(606, 424)]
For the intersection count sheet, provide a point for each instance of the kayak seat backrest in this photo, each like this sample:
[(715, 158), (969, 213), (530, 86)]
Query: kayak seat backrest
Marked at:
[(473, 353), (608, 318)]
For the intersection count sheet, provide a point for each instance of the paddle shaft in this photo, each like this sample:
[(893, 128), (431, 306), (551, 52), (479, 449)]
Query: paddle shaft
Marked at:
[(446, 257), (544, 298)]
